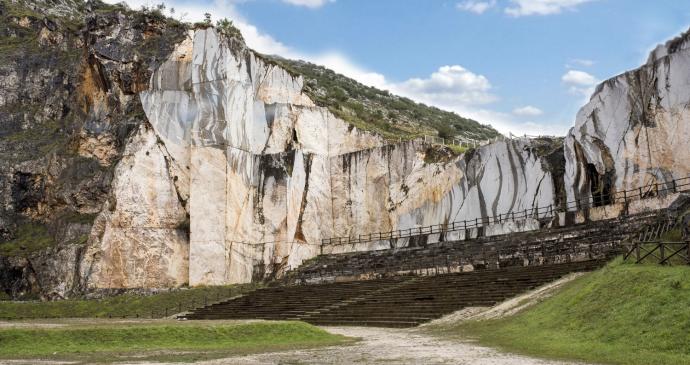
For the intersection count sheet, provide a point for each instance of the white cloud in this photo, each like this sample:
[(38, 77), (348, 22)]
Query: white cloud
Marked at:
[(449, 85), (477, 7), (528, 111), (580, 82), (309, 3), (541, 7), (579, 78)]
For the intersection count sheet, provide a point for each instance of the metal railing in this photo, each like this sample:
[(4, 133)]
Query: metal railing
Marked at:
[(464, 141), (256, 252), (547, 212)]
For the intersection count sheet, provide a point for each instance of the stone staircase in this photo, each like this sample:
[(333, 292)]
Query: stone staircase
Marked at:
[(405, 287), (403, 301), (599, 240)]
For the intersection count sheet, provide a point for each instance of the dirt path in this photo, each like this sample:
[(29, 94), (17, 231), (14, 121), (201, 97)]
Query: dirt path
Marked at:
[(388, 346)]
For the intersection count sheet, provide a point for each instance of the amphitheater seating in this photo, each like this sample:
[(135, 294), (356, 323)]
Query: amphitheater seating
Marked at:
[(594, 240), (402, 301), (404, 287)]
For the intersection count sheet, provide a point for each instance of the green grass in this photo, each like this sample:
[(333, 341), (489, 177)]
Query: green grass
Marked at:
[(622, 314), (106, 342), (125, 305), (457, 148)]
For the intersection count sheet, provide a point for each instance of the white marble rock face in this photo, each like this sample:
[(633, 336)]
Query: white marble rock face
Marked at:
[(635, 129), (249, 158)]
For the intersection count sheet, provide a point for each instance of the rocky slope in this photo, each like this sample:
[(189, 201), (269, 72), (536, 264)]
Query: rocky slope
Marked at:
[(635, 129), (70, 75)]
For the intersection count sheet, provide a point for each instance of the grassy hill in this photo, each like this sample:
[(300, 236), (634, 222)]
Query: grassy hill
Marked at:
[(120, 306), (169, 341), (380, 111), (622, 314)]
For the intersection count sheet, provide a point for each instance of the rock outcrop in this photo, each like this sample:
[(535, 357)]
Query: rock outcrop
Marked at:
[(265, 174), (635, 129), (70, 76), (139, 152)]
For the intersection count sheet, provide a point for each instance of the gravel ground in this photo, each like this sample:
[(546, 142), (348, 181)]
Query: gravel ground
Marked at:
[(387, 346), (377, 346)]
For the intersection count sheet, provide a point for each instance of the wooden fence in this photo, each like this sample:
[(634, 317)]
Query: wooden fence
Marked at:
[(664, 253)]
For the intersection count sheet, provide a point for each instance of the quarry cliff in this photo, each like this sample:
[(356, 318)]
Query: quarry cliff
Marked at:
[(141, 152)]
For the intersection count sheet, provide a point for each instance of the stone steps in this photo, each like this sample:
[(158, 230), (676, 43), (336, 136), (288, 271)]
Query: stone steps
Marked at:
[(594, 240), (400, 302)]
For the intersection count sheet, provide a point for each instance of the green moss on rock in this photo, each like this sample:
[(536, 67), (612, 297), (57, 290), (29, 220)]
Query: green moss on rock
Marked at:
[(30, 237)]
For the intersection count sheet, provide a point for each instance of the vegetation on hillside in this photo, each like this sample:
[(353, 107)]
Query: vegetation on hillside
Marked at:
[(621, 314), (380, 111), (125, 305), (166, 341)]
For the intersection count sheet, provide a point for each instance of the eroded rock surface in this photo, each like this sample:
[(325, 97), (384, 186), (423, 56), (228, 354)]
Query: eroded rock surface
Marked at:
[(141, 153), (70, 76), (635, 129), (253, 160)]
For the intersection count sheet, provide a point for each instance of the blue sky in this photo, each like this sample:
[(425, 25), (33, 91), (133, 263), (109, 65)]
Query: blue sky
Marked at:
[(524, 66)]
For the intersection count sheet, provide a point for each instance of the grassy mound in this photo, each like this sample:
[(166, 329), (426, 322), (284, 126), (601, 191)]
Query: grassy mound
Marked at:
[(191, 340), (621, 314), (125, 305)]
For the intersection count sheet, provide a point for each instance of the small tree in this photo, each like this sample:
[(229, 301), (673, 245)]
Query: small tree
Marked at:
[(207, 18), (227, 28)]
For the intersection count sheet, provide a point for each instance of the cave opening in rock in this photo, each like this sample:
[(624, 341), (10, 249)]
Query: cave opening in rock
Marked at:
[(601, 186)]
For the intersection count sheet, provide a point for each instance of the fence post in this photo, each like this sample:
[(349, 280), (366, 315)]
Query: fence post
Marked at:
[(661, 251)]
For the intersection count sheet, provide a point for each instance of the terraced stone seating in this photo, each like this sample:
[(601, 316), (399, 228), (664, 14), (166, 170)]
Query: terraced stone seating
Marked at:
[(594, 240), (402, 301)]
